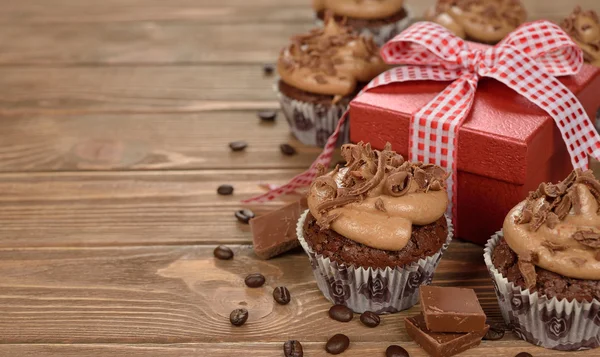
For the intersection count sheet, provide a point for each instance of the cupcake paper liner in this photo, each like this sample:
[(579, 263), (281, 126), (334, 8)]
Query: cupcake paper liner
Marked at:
[(550, 323), (384, 33), (382, 291), (313, 123)]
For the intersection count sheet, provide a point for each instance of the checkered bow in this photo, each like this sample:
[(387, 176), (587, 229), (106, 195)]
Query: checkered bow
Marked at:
[(527, 60)]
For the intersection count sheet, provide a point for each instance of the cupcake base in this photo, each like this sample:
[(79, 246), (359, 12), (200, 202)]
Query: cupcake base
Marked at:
[(551, 323), (382, 291)]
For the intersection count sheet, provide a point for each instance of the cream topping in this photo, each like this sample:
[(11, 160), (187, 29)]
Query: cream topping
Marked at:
[(482, 20), (564, 236), (360, 9), (584, 29), (330, 60), (377, 198)]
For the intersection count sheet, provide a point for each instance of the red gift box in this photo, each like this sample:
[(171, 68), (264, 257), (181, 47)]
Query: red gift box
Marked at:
[(507, 145)]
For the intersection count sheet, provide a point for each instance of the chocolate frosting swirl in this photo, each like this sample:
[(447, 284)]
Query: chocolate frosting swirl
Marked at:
[(377, 198), (558, 228), (584, 29), (331, 60), (360, 9), (487, 21)]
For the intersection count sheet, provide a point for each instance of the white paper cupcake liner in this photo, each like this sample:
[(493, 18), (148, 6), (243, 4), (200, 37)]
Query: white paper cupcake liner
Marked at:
[(382, 291), (384, 33), (312, 123), (550, 323)]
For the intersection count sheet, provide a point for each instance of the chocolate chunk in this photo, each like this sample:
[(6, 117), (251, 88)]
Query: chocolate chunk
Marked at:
[(244, 215), (370, 319), (588, 238), (255, 280), (341, 313), (495, 333), (238, 145), (448, 309), (267, 115), (337, 344), (527, 269), (553, 247), (275, 232), (379, 205), (225, 190), (439, 344), (238, 317), (287, 149), (268, 69), (396, 351), (281, 294), (222, 252), (523, 354), (292, 348)]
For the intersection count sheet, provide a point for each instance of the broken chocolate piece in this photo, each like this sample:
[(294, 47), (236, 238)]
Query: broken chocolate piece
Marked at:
[(448, 309), (553, 247), (275, 232), (439, 344), (527, 269), (588, 238), (379, 205)]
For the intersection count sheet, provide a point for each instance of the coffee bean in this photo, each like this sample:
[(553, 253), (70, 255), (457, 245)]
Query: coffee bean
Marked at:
[(292, 348), (287, 149), (238, 145), (267, 115), (268, 69), (337, 344), (496, 332), (341, 313), (370, 319), (238, 317), (396, 351), (255, 280), (222, 252), (281, 294), (524, 354), (225, 190), (244, 215)]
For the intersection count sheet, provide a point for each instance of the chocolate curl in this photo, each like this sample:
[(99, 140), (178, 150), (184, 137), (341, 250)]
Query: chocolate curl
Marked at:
[(398, 184)]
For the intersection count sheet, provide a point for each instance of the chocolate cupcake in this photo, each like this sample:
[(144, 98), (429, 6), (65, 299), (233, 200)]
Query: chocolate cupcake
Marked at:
[(546, 264), (379, 19), (483, 21), (584, 29), (375, 230), (319, 74)]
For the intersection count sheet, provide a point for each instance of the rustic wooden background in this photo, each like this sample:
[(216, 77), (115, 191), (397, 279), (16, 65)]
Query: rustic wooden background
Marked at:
[(114, 121)]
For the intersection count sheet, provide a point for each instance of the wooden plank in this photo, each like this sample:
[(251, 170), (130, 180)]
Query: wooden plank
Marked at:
[(147, 142), (360, 349), (128, 208), (144, 43), (127, 89)]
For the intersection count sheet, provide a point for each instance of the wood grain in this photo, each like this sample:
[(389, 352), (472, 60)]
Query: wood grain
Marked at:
[(146, 142), (127, 89)]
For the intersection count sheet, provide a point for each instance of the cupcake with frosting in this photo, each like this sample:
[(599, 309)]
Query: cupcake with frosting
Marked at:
[(380, 19), (546, 264), (484, 21), (375, 229), (584, 29), (320, 73)]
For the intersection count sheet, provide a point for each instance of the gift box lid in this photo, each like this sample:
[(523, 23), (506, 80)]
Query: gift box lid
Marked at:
[(503, 137)]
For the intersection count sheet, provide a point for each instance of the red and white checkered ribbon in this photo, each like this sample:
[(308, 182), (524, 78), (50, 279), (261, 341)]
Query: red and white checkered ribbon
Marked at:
[(527, 60)]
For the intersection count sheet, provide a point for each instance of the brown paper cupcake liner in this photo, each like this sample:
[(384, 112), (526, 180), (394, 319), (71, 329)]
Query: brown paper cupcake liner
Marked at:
[(550, 323), (382, 291), (313, 123)]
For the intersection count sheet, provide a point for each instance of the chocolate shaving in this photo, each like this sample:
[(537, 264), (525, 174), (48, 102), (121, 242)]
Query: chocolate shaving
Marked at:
[(398, 184), (326, 184), (379, 205), (564, 207), (327, 219), (590, 239), (579, 262), (527, 269), (553, 247), (539, 217), (552, 220), (597, 256)]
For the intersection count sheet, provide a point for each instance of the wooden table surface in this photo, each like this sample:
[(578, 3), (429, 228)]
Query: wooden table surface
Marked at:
[(115, 117)]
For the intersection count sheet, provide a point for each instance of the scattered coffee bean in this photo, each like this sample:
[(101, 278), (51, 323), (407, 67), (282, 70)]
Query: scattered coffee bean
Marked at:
[(524, 354), (337, 344), (255, 280), (222, 252), (244, 215), (292, 348), (238, 317), (341, 313), (268, 69), (496, 332), (370, 319), (267, 115), (287, 149), (225, 190), (281, 294), (238, 145), (396, 351)]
